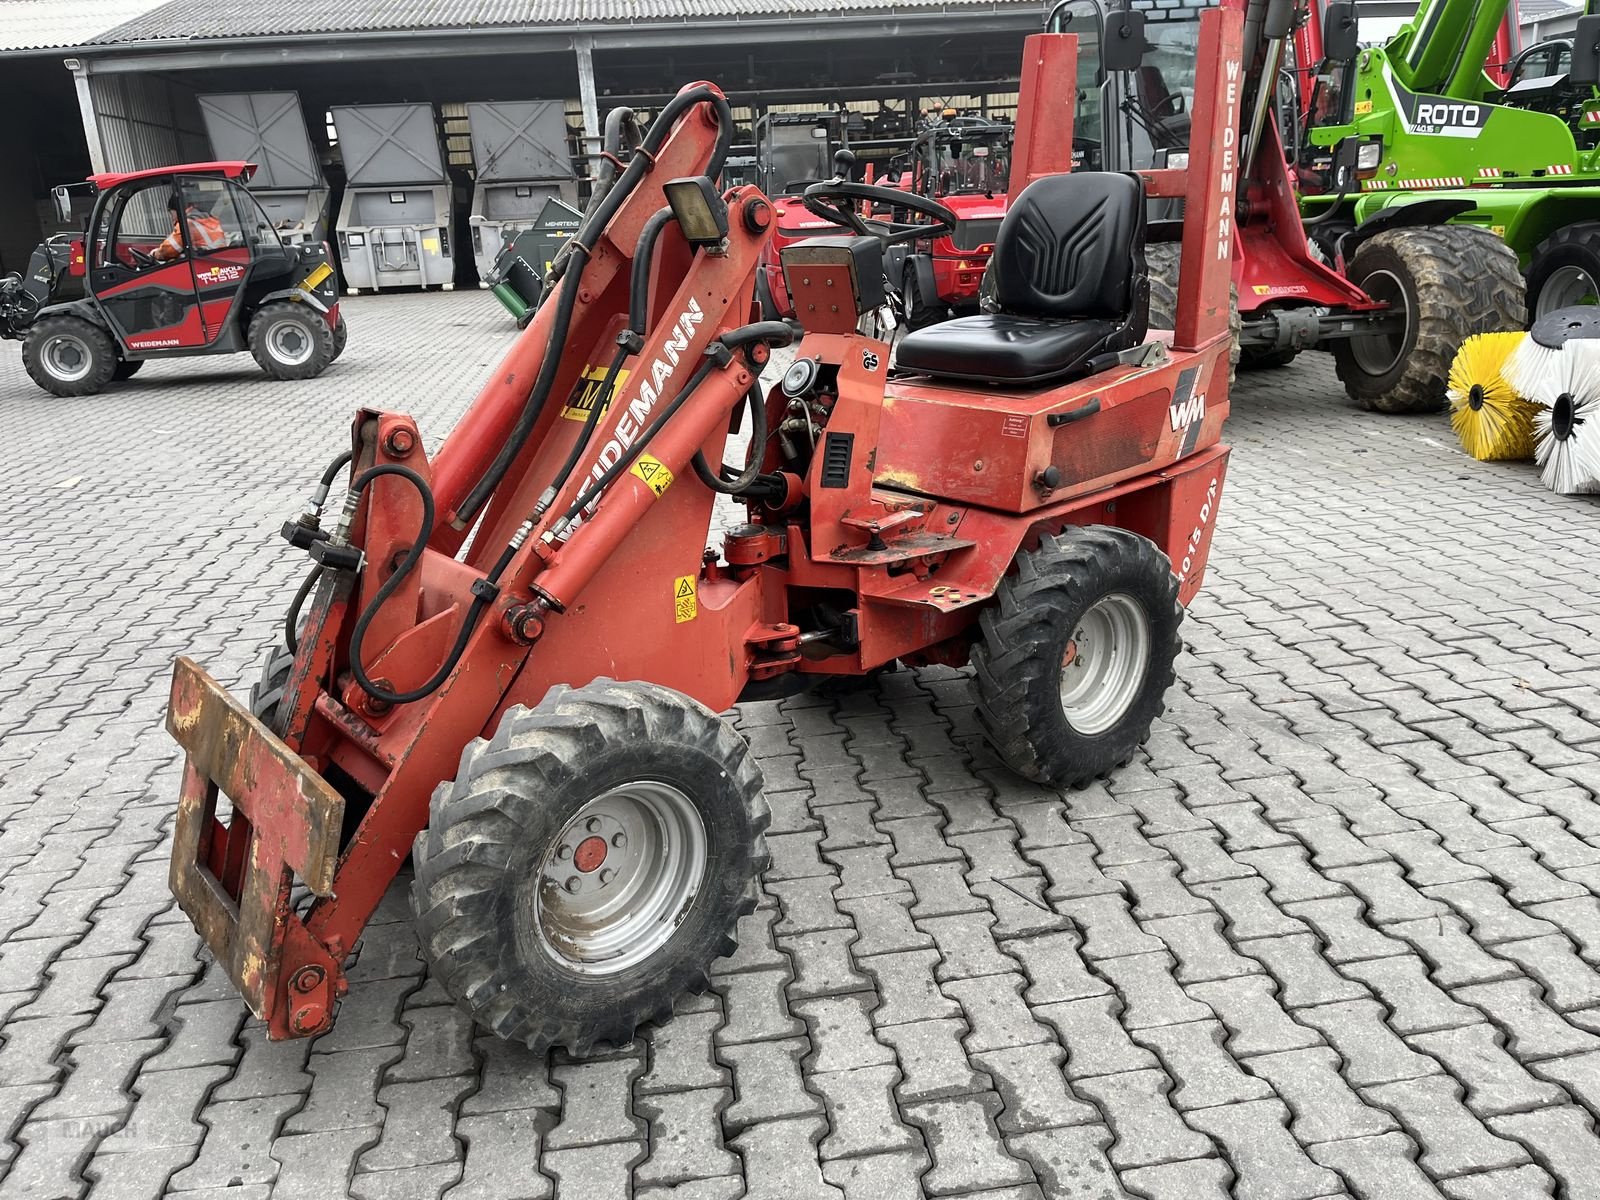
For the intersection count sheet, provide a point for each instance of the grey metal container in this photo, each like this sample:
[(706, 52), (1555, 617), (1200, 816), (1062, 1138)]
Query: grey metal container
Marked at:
[(522, 162), (269, 129), (394, 221)]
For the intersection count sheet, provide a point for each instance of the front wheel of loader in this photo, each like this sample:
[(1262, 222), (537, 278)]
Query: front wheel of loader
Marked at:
[(1446, 283), (68, 356), (1076, 654), (588, 863), (341, 338), (291, 341)]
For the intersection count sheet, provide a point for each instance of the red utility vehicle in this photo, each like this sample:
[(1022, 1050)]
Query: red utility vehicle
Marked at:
[(216, 281), (1032, 492), (965, 164)]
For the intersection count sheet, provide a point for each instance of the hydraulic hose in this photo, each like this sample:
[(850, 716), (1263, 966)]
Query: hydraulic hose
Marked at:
[(639, 282), (480, 601), (758, 440), (593, 226), (291, 619)]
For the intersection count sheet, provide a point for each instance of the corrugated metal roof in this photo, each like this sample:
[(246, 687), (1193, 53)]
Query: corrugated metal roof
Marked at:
[(202, 20), (55, 24), (1529, 10)]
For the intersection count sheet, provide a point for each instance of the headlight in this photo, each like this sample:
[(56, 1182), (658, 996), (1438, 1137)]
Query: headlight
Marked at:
[(1369, 156), (1178, 159)]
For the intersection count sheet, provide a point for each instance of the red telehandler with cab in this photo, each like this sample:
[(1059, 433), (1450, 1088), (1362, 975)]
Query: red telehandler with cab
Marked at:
[(509, 655), (152, 288)]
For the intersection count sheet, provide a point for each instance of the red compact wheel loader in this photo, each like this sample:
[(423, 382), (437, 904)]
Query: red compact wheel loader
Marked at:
[(217, 281), (508, 656)]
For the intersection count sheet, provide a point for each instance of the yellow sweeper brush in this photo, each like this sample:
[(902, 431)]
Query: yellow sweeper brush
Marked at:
[(1491, 419)]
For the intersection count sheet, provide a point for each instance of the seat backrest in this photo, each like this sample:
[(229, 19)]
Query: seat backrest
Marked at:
[(1072, 246)]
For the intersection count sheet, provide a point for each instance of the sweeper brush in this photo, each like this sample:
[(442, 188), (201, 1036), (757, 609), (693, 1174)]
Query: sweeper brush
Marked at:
[(1491, 420), (1557, 367)]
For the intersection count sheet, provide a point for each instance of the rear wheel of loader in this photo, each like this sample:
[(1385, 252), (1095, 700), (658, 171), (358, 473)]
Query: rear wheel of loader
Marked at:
[(1077, 654), (267, 690), (68, 356), (290, 340), (1447, 282), (341, 338), (1565, 269), (1161, 264), (589, 862)]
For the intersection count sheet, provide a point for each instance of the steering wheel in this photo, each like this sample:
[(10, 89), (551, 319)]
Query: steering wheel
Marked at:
[(140, 257), (831, 199)]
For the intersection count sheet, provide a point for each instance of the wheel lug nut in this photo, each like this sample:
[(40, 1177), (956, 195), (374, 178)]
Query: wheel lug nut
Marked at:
[(574, 883), (606, 875), (593, 825), (564, 852), (619, 840)]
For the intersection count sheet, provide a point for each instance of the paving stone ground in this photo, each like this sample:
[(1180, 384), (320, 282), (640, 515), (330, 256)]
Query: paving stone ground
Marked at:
[(1335, 934)]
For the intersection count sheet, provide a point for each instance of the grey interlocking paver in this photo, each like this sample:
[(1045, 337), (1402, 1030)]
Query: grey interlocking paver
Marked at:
[(1206, 1075), (1096, 1042), (1070, 1163), (906, 984), (1564, 1142), (1268, 1162), (862, 1116), (1372, 1052), (685, 1137), (823, 963), (766, 1082), (1055, 968), (1036, 1094), (1414, 1003), (1192, 1179), (1381, 1167), (841, 1033), (780, 1160), (893, 1176), (932, 1061), (1535, 1030), (312, 1166), (995, 1012), (1452, 1140), (1510, 1183), (239, 1134), (968, 1154), (1322, 1105)]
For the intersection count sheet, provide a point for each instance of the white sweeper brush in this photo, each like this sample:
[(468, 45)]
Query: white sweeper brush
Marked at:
[(1558, 369)]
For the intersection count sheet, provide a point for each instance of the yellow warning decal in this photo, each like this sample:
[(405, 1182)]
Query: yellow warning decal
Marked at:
[(685, 604), (1498, 230), (1363, 108), (656, 475), (316, 276), (588, 391)]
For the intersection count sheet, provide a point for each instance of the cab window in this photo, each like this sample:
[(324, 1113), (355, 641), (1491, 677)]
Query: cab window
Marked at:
[(134, 225), (212, 219), (259, 234)]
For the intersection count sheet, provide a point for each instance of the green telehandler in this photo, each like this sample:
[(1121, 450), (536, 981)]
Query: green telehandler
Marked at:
[(1519, 155)]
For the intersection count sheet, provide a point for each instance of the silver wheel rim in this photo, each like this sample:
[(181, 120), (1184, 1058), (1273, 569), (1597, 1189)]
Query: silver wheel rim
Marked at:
[(1380, 353), (1104, 664), (290, 343), (617, 881), (67, 357), (1566, 287)]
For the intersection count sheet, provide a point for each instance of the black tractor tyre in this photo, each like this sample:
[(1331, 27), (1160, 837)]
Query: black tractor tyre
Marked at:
[(509, 893), (126, 369), (1570, 259), (341, 338), (919, 314), (1454, 281), (267, 691), (69, 356), (291, 340), (1084, 601), (768, 307), (1161, 265)]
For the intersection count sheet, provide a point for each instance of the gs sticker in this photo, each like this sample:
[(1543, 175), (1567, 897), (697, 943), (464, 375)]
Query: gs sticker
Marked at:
[(869, 360)]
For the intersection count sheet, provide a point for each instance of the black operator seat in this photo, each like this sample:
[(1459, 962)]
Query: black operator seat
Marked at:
[(1069, 275)]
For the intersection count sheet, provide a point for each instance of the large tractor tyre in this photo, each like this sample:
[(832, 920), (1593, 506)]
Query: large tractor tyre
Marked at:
[(1077, 654), (1257, 358), (767, 306), (1161, 264), (126, 369), (589, 862), (341, 338), (68, 356), (919, 313), (291, 341), (1565, 270), (1448, 282)]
